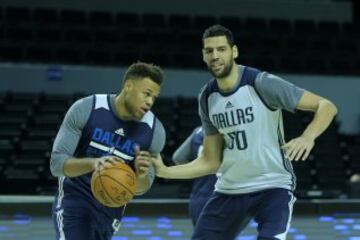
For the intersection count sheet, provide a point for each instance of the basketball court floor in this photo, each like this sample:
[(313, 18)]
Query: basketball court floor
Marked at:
[(335, 227)]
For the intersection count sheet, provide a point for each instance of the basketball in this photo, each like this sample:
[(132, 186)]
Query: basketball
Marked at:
[(113, 185)]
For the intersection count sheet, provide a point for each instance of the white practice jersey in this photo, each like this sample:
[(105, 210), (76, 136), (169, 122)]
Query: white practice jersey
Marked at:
[(250, 119)]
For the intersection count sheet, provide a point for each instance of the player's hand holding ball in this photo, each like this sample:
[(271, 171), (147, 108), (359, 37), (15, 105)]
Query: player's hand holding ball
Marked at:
[(113, 182), (101, 162)]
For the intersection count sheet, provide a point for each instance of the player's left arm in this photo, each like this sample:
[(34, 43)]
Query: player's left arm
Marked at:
[(280, 94), (145, 172), (325, 111)]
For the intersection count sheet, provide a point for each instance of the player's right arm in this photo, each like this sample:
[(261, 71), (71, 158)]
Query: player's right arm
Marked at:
[(62, 162), (206, 163)]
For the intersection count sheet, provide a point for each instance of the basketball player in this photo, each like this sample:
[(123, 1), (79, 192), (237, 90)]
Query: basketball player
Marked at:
[(244, 143), (202, 187), (105, 128)]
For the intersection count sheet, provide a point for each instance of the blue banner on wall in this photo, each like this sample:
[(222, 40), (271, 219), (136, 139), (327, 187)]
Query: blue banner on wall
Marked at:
[(54, 74)]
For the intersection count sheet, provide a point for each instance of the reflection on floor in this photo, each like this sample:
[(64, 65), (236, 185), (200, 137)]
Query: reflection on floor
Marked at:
[(339, 227)]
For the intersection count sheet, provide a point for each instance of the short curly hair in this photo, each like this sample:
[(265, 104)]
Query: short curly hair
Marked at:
[(144, 70)]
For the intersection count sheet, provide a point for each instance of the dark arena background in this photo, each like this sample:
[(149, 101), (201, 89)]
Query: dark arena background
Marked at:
[(54, 52)]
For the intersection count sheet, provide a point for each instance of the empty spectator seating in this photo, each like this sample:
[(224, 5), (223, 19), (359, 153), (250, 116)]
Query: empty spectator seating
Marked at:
[(44, 35)]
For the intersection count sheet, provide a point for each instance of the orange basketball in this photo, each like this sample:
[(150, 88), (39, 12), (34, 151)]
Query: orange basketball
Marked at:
[(113, 185)]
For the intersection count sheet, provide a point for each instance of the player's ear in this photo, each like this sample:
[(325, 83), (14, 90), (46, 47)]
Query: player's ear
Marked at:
[(203, 55), (128, 85), (235, 51)]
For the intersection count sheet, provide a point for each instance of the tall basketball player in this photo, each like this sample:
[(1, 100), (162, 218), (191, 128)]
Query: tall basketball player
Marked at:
[(244, 143)]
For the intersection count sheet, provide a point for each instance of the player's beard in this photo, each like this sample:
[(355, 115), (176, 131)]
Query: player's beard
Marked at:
[(224, 73)]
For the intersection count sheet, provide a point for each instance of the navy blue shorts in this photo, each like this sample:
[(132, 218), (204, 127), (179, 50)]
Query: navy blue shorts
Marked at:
[(81, 224), (196, 205), (225, 216)]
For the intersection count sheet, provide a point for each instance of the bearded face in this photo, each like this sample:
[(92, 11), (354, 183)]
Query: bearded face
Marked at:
[(219, 56), (220, 68)]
